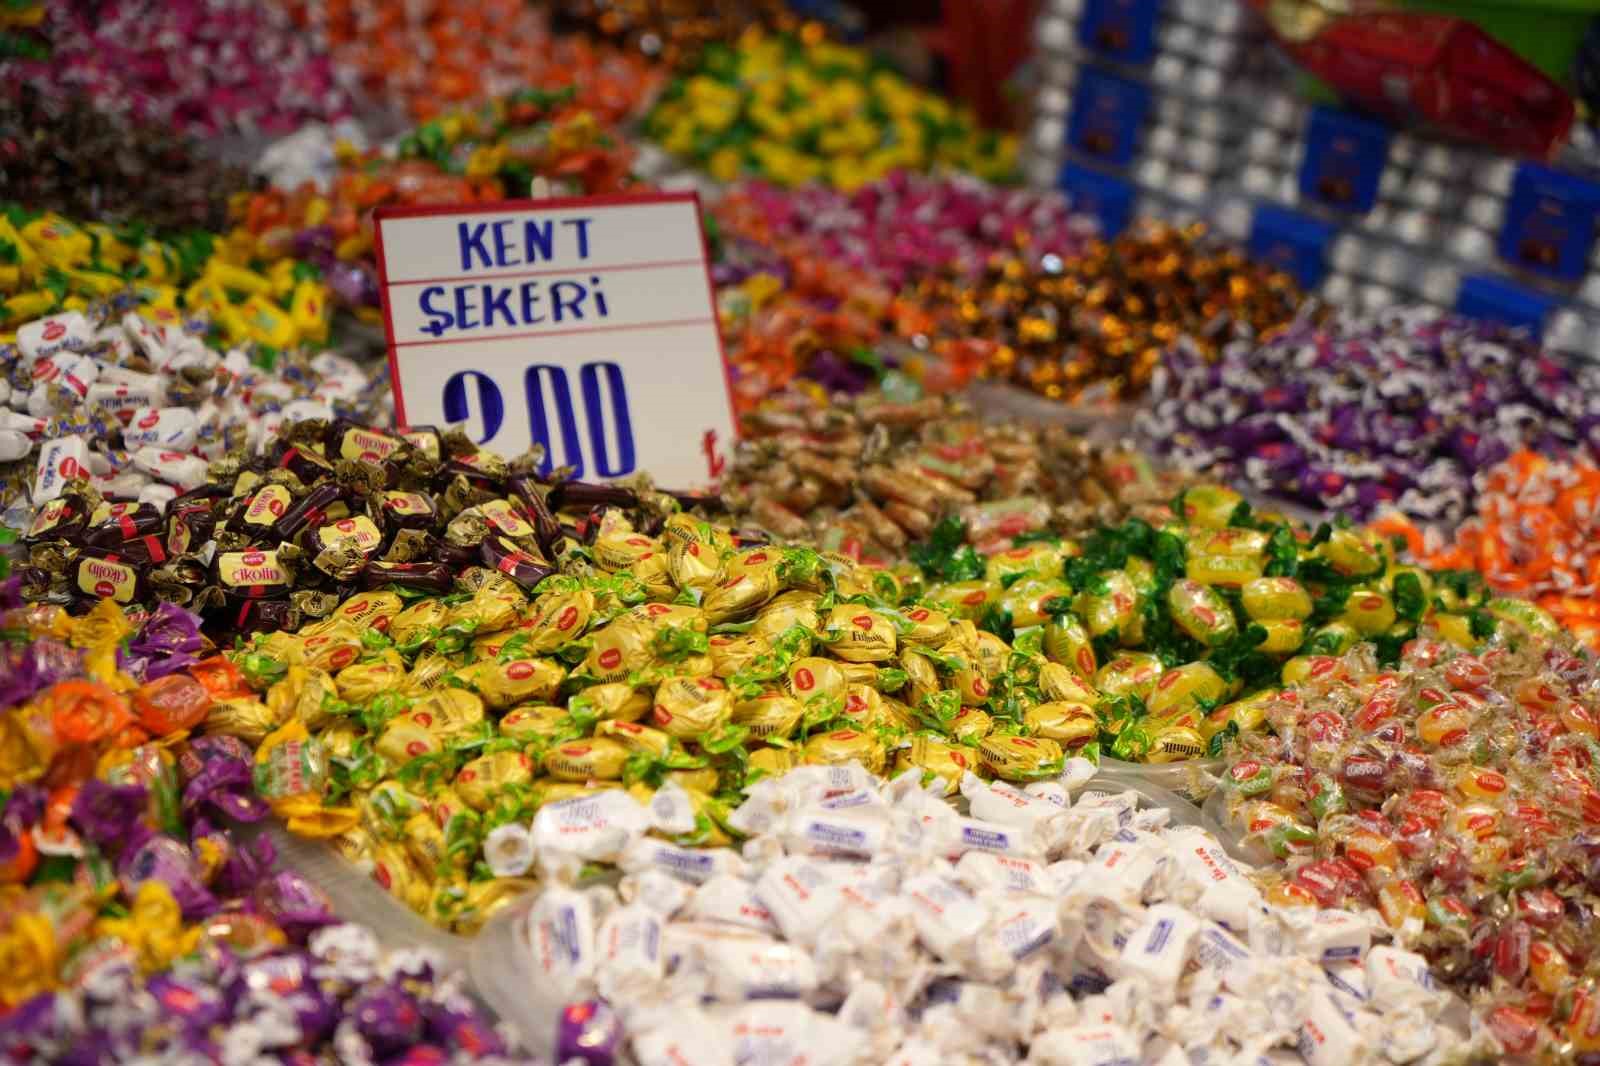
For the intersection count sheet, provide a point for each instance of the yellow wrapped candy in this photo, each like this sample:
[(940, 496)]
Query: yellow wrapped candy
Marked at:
[(304, 693), (845, 746), (598, 758), (503, 684)]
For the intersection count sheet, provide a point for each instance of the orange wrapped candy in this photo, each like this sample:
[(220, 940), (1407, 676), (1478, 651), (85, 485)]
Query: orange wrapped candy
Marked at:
[(1537, 519)]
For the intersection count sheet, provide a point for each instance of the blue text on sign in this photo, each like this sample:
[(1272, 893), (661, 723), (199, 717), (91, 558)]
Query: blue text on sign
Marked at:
[(485, 305), (539, 382), (497, 244)]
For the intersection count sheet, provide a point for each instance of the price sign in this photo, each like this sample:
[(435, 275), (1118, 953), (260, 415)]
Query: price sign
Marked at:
[(585, 325)]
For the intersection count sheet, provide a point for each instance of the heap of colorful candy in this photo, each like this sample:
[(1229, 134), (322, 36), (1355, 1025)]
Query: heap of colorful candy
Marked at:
[(675, 31), (493, 151), (1399, 410), (65, 156), (683, 665), (134, 922), (1454, 792), (794, 112), (49, 264), (426, 56), (207, 69), (869, 477), (1091, 325), (906, 225), (868, 922), (122, 410), (1531, 535), (1102, 322)]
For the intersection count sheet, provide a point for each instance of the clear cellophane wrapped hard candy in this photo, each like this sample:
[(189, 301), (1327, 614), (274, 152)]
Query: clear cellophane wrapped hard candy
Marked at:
[(1455, 794), (873, 474)]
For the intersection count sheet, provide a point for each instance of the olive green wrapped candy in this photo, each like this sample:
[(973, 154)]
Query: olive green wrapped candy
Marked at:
[(1112, 609), (1184, 687), (1201, 612), (1067, 642), (1276, 597)]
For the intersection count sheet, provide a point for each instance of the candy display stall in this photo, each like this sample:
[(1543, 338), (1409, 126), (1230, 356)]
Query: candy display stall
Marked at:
[(1147, 614)]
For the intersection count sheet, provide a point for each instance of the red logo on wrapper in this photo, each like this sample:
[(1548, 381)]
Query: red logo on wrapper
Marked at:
[(519, 671), (54, 331), (568, 619), (862, 621), (151, 420), (611, 658), (803, 680), (70, 468)]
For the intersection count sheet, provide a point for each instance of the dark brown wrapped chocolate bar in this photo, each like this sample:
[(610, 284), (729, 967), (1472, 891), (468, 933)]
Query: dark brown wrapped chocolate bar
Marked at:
[(60, 519), (586, 495), (253, 574), (346, 440), (258, 515), (708, 502), (406, 510), (503, 554), (426, 440), (436, 578), (316, 507), (189, 524), (263, 616), (108, 575), (532, 494), (124, 522), (306, 464)]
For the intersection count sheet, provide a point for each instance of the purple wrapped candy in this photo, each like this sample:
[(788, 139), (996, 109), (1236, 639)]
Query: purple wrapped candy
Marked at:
[(296, 1006), (111, 815), (286, 976), (26, 669), (165, 859), (1394, 410), (588, 1032), (460, 1027), (298, 906), (389, 1018), (169, 641), (197, 1004), (217, 773)]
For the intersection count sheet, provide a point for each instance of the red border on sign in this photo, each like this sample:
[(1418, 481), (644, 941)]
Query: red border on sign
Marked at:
[(554, 203)]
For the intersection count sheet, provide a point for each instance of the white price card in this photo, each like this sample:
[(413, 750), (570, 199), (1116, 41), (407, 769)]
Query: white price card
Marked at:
[(585, 325)]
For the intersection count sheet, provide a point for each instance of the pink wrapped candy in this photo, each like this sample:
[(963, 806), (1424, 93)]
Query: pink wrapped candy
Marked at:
[(201, 67), (907, 225)]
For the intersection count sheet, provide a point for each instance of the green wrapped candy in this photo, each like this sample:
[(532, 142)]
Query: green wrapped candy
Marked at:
[(1112, 610), (1182, 687), (1276, 597), (1368, 611), (1202, 613), (1066, 641), (1129, 674)]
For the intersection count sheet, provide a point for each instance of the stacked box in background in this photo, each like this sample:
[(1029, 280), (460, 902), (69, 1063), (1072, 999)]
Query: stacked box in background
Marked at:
[(1183, 109)]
